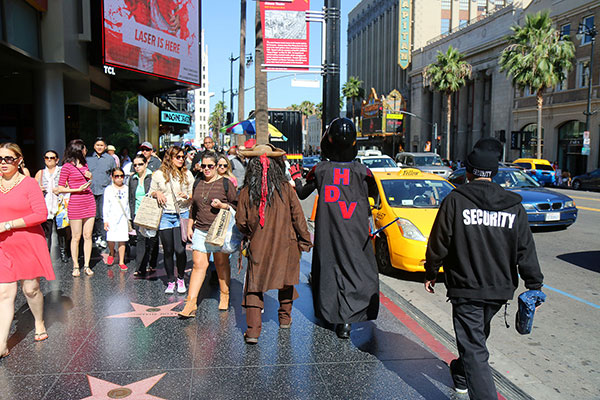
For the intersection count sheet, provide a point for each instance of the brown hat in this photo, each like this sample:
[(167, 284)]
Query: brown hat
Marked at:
[(258, 150)]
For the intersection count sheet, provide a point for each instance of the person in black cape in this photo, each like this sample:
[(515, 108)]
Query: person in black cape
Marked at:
[(345, 282)]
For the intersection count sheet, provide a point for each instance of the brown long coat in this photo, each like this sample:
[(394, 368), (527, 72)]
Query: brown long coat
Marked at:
[(274, 250)]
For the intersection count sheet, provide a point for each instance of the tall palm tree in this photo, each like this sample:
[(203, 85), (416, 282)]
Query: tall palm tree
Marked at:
[(217, 117), (537, 57), (353, 90), (261, 103), (447, 75)]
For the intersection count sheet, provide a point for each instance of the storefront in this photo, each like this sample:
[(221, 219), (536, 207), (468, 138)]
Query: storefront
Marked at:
[(570, 144), (173, 127)]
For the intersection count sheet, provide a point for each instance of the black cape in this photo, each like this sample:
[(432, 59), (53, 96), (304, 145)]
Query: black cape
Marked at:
[(345, 280)]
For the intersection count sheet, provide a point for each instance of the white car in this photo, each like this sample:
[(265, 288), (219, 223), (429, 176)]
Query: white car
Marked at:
[(378, 163)]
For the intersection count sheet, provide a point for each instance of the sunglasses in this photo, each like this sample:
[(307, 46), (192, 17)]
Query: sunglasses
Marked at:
[(138, 165), (49, 158), (8, 159), (222, 165), (145, 149), (118, 176), (179, 157), (209, 166)]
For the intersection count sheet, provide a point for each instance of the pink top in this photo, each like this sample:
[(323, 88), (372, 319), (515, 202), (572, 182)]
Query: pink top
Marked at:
[(23, 251), (81, 204)]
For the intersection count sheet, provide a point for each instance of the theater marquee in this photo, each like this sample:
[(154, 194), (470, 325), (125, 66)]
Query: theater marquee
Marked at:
[(404, 33)]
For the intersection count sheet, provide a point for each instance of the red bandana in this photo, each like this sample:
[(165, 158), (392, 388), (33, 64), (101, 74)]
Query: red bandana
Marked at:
[(265, 162)]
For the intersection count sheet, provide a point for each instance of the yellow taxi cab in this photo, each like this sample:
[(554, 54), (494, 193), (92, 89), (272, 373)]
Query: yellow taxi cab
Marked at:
[(539, 168), (407, 199)]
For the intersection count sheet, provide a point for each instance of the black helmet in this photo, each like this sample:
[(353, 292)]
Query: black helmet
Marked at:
[(339, 141)]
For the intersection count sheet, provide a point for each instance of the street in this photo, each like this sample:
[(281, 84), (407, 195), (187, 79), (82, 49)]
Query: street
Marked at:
[(559, 359)]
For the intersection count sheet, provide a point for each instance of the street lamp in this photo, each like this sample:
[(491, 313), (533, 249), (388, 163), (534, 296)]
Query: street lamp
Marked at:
[(249, 61), (583, 31), (433, 126)]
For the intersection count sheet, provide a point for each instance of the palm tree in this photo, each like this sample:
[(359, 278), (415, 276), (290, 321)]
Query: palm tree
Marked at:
[(537, 57), (447, 75), (261, 103), (217, 116), (353, 90)]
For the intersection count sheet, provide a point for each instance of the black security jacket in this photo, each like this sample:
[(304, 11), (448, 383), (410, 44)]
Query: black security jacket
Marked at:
[(482, 238)]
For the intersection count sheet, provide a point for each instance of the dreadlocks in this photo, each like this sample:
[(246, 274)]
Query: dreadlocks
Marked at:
[(275, 178)]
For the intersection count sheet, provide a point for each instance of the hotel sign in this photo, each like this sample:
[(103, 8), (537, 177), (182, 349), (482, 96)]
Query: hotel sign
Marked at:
[(404, 33)]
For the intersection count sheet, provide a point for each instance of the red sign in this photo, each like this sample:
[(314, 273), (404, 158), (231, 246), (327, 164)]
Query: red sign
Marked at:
[(285, 33)]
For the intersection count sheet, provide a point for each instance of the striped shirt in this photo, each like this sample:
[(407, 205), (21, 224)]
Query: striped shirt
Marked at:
[(81, 204)]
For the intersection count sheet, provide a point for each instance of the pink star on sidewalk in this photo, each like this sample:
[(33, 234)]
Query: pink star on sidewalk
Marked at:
[(104, 390), (149, 314)]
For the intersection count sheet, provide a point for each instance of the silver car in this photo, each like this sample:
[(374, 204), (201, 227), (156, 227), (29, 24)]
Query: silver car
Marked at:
[(426, 162)]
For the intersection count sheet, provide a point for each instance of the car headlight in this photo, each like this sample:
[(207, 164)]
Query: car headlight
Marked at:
[(409, 230), (528, 206), (569, 204)]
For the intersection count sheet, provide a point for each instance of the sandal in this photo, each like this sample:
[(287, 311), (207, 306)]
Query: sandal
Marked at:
[(40, 337), (5, 354), (88, 271), (139, 274), (76, 272)]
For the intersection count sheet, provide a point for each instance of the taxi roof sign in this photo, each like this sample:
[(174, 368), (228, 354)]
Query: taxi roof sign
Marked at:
[(410, 172)]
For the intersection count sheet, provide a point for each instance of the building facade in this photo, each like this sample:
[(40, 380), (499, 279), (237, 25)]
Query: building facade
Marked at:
[(202, 99)]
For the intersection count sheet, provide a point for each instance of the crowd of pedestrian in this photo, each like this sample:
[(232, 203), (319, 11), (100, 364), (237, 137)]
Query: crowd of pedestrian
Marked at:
[(96, 197)]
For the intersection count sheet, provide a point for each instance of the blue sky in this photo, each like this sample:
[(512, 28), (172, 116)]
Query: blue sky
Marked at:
[(221, 24)]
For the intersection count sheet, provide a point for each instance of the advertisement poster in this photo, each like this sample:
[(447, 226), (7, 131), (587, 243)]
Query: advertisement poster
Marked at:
[(157, 37), (285, 33)]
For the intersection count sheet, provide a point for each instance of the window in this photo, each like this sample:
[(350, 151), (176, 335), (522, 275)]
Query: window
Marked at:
[(564, 85), (446, 4), (583, 73), (463, 5), (589, 22), (565, 30), (445, 25), (462, 23), (482, 3), (527, 92)]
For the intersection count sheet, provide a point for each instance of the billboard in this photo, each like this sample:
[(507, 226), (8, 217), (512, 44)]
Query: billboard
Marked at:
[(285, 33), (156, 37)]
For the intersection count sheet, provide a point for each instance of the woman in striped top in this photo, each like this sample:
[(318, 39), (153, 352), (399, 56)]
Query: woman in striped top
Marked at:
[(76, 178)]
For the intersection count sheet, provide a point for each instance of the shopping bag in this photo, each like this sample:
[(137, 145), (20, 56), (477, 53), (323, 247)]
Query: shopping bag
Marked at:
[(149, 213), (233, 238), (62, 217), (218, 229)]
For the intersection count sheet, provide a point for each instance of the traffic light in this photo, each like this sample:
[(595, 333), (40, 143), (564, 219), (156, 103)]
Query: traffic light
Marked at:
[(229, 118)]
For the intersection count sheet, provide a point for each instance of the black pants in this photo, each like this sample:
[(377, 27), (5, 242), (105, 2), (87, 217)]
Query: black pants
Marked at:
[(99, 231), (144, 246), (171, 241), (61, 233), (471, 320)]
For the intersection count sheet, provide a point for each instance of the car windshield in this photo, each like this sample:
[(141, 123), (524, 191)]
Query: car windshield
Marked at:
[(423, 161), (419, 193), (514, 179), (382, 162), (544, 167), (310, 160)]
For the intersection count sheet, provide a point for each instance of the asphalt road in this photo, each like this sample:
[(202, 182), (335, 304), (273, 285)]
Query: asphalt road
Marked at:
[(560, 358)]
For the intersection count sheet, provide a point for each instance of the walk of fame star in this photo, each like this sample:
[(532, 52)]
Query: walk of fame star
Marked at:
[(104, 390), (149, 314)]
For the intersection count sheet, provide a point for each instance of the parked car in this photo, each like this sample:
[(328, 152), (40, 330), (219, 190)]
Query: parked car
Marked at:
[(308, 163), (375, 163), (544, 207), (413, 197), (426, 162), (540, 169), (589, 180)]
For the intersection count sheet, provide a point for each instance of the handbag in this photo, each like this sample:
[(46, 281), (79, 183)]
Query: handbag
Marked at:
[(233, 238), (62, 217), (148, 214), (183, 222), (218, 229)]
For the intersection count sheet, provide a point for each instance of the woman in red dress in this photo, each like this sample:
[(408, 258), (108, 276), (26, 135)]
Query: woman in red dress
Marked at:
[(82, 207), (24, 254)]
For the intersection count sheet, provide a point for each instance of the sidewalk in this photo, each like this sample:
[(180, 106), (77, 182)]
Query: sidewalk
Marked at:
[(114, 337)]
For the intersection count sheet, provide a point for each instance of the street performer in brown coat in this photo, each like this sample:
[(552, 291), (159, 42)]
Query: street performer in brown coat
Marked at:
[(270, 216)]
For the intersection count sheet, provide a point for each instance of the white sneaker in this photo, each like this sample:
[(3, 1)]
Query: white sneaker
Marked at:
[(180, 286), (170, 288)]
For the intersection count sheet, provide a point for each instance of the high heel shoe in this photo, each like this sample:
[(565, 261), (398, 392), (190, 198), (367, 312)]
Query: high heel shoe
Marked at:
[(189, 310), (224, 301)]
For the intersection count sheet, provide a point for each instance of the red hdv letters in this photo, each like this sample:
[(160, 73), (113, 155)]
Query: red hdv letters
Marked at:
[(341, 176)]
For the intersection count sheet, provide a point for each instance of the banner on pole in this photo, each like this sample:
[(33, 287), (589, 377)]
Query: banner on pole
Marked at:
[(404, 33), (285, 34)]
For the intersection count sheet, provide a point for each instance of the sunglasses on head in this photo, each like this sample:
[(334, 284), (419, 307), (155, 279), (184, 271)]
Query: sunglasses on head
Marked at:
[(209, 166), (8, 159), (50, 158)]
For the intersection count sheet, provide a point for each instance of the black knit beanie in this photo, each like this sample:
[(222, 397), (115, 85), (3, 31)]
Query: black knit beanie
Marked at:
[(483, 160)]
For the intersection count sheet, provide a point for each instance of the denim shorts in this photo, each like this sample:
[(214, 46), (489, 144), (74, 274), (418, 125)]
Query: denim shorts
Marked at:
[(199, 243), (171, 220)]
